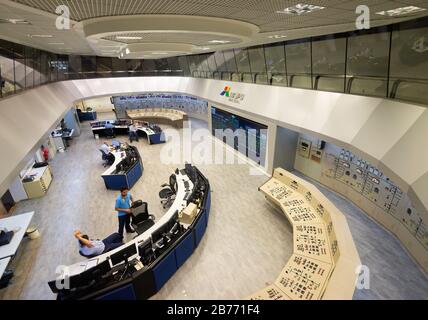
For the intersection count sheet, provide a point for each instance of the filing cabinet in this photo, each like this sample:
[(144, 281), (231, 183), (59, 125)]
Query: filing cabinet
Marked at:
[(39, 185)]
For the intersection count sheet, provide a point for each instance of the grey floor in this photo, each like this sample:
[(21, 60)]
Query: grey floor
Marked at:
[(245, 247)]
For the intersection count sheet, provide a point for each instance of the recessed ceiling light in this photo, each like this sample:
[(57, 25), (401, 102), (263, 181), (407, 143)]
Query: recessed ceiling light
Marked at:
[(219, 41), (301, 8), (128, 38), (277, 36), (400, 11), (159, 53), (56, 43), (14, 21), (40, 36), (127, 51)]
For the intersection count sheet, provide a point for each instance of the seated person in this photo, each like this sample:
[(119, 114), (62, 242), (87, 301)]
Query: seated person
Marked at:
[(133, 132), (109, 129), (92, 248), (105, 148)]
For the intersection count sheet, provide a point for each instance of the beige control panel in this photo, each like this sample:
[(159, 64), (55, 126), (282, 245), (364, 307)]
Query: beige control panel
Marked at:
[(315, 243)]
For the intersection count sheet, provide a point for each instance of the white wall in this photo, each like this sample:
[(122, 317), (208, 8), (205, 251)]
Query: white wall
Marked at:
[(389, 134), (99, 104)]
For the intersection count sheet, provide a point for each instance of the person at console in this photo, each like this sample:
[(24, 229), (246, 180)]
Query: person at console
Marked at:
[(92, 248), (105, 148), (123, 207), (107, 155), (133, 132)]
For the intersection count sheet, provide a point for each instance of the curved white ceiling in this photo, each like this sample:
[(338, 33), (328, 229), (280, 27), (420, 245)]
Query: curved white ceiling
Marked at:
[(338, 16), (209, 31)]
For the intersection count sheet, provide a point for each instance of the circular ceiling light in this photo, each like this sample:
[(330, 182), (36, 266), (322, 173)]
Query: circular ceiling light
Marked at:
[(168, 34)]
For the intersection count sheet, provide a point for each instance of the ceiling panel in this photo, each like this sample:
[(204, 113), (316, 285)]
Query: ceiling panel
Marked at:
[(262, 13)]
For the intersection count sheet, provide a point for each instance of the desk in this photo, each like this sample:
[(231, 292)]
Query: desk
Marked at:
[(60, 137), (122, 127), (87, 115), (3, 265), (149, 280), (19, 224), (118, 126), (114, 179), (152, 136)]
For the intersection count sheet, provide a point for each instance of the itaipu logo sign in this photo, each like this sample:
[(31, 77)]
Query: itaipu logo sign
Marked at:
[(235, 97)]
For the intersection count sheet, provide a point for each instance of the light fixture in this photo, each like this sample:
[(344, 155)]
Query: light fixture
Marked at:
[(159, 53), (277, 36), (219, 41), (301, 8), (56, 43), (14, 21), (401, 11), (40, 36), (127, 51), (128, 38)]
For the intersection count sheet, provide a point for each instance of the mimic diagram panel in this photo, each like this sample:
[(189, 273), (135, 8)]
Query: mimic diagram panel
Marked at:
[(371, 184), (304, 278), (271, 292), (312, 241)]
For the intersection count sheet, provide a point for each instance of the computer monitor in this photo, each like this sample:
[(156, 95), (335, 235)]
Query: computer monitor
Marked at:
[(145, 250), (160, 232), (175, 229), (171, 222), (66, 283), (124, 254), (95, 273)]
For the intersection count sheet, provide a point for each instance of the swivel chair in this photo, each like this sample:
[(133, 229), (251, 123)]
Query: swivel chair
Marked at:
[(105, 158), (167, 194), (141, 219)]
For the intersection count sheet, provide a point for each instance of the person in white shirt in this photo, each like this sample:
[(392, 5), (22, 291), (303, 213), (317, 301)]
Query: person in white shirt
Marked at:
[(133, 134), (105, 148), (93, 248)]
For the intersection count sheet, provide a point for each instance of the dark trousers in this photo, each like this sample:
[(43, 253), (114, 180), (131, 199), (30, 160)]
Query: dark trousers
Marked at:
[(113, 241), (124, 222), (133, 136)]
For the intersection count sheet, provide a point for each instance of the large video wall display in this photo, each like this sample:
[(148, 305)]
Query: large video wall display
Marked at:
[(188, 104), (248, 137), (375, 193)]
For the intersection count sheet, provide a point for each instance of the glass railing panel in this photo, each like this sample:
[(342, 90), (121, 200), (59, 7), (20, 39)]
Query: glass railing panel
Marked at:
[(300, 81), (374, 87), (329, 83), (261, 78), (410, 90), (248, 78)]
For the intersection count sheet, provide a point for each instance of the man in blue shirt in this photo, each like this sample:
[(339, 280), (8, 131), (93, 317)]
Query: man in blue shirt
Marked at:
[(123, 207)]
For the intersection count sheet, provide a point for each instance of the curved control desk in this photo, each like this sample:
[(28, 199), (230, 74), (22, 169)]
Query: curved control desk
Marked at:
[(125, 171), (324, 260), (159, 115), (102, 279), (153, 133)]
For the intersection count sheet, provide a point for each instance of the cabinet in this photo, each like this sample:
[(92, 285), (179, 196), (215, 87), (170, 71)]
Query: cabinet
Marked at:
[(41, 180)]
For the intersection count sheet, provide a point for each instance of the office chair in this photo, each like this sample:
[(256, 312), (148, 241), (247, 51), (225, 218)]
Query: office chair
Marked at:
[(141, 219), (109, 132), (87, 257), (105, 158), (168, 193)]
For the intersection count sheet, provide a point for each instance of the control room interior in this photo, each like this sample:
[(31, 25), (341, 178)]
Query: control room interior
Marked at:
[(272, 151)]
